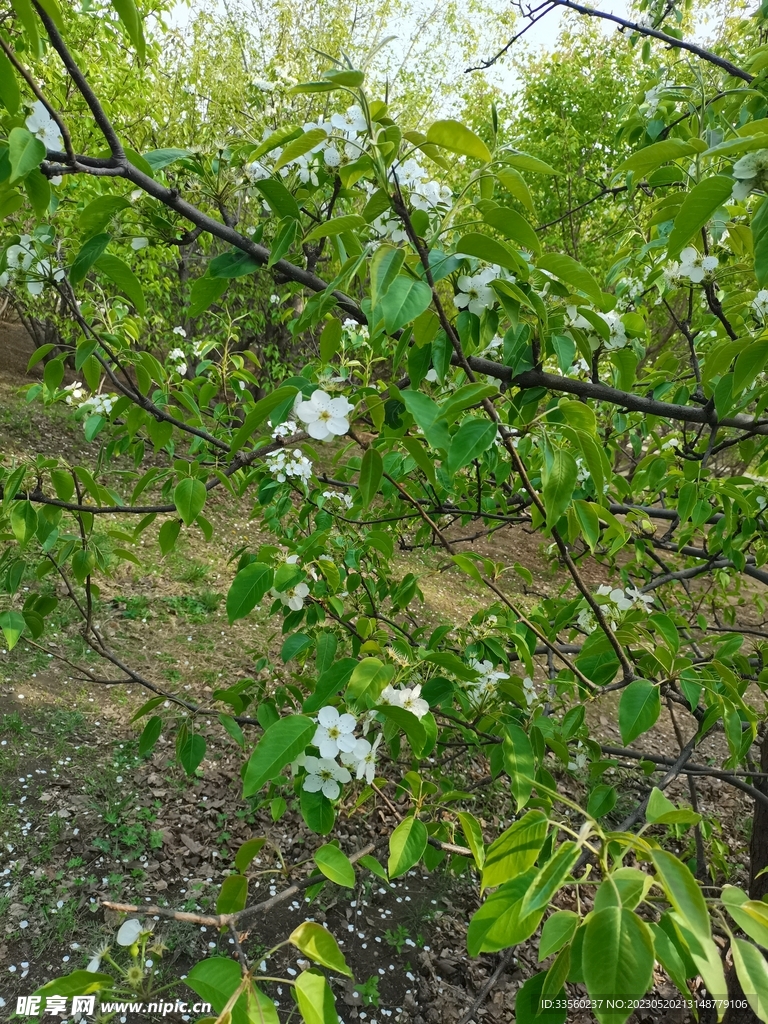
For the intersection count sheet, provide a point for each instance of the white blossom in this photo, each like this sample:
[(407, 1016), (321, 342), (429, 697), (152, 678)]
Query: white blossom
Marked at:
[(139, 242), (334, 733), (752, 172), (129, 932), (324, 776), (325, 417), (43, 127), (407, 698), (474, 293), (760, 303), (293, 598), (341, 496), (362, 758)]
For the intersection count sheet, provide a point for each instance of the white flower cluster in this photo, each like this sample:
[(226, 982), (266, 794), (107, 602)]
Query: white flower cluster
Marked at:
[(475, 293), (287, 429), (343, 137), (22, 259), (485, 686), (407, 697), (178, 360), (75, 393), (614, 605), (355, 331), (324, 416), (652, 99), (692, 266), (341, 496), (752, 172), (284, 464), (424, 193), (618, 333), (335, 737), (760, 303), (99, 405)]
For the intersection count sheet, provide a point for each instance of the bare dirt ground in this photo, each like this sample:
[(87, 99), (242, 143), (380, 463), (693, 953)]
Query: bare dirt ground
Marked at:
[(84, 818)]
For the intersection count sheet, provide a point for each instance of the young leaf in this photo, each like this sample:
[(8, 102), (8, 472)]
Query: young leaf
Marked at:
[(406, 846), (318, 944), (559, 481), (131, 21), (335, 865), (125, 279), (518, 763), (515, 850), (25, 152), (315, 998), (700, 203), (233, 895), (457, 138)]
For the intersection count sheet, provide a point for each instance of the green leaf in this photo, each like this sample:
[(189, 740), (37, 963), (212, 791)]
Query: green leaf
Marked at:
[(700, 203), (371, 470), (189, 498), (750, 915), (78, 983), (662, 811), (38, 190), (525, 162), (23, 522), (456, 137), (402, 302), (86, 257), (406, 846), (168, 536), (654, 156), (317, 943), (515, 850), (336, 226), (282, 743), (369, 677), (25, 152), (602, 800), (150, 735), (232, 264), (617, 961), (278, 197), (639, 708), (330, 339), (28, 19), (559, 480), (473, 437), (473, 833), (160, 158), (125, 279), (295, 645), (217, 979), (192, 753), (233, 895), (409, 723), (9, 87), (498, 923), (566, 269), (335, 865), (247, 852), (486, 248), (589, 521), (131, 21), (315, 998), (12, 624), (759, 228), (514, 226), (528, 1003), (300, 145), (749, 363), (549, 879), (557, 931), (752, 972), (97, 214), (317, 811), (518, 764), (683, 891)]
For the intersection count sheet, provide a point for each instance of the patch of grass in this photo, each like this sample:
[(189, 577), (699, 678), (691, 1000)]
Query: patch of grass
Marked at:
[(195, 572), (13, 723)]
